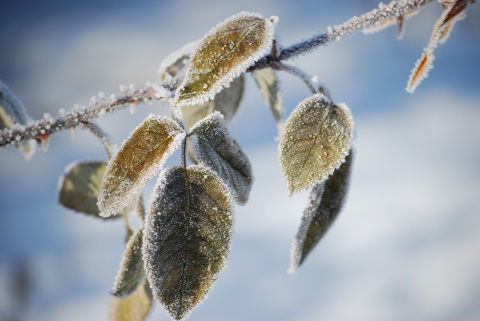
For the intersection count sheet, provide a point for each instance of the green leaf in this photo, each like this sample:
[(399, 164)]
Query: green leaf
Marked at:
[(135, 307), (131, 271), (226, 102), (138, 160), (187, 237), (223, 55), (216, 149), (316, 139), (325, 203), (79, 187), (268, 85)]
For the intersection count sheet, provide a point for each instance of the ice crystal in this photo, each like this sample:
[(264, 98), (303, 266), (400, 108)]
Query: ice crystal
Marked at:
[(268, 85), (315, 141), (138, 160), (187, 237), (131, 272), (325, 203), (215, 148), (224, 54)]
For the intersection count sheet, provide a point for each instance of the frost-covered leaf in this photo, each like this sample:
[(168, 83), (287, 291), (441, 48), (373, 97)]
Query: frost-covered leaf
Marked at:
[(134, 307), (131, 271), (216, 149), (138, 160), (79, 186), (12, 113), (226, 102), (187, 237), (268, 85), (223, 55), (176, 62), (315, 141), (325, 203)]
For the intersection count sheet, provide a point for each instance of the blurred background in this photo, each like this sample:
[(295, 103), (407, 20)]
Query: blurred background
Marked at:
[(405, 247)]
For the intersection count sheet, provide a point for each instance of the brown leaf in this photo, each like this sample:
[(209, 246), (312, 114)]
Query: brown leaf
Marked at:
[(134, 307)]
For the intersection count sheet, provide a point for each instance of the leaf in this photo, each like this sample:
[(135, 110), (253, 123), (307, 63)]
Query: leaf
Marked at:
[(216, 149), (268, 85), (131, 271), (138, 160), (223, 55), (316, 139), (79, 187), (135, 307), (176, 62), (226, 102), (187, 237), (13, 113), (325, 203)]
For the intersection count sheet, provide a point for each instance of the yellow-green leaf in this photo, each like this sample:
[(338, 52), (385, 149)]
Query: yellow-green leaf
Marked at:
[(80, 185), (316, 139), (138, 160), (187, 237), (325, 203), (131, 271), (268, 85), (134, 307), (224, 54)]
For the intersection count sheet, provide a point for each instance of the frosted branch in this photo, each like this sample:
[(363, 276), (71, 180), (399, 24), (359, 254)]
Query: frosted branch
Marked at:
[(40, 130), (383, 12)]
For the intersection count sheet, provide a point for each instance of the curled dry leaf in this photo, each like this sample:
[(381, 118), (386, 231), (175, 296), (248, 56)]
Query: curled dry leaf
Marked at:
[(187, 237), (453, 13), (138, 160), (268, 85), (316, 139), (216, 149), (79, 186), (174, 64), (325, 203), (223, 55), (131, 271), (134, 307)]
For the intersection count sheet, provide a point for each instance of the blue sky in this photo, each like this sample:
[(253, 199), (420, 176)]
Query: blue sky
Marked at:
[(406, 243)]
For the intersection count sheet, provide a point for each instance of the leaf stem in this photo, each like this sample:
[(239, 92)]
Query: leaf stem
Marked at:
[(308, 80)]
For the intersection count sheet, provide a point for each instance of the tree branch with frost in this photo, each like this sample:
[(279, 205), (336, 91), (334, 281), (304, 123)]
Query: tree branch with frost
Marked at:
[(384, 12), (41, 130)]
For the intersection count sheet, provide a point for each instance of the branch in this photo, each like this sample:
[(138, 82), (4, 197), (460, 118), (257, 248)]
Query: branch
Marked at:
[(41, 130), (351, 26)]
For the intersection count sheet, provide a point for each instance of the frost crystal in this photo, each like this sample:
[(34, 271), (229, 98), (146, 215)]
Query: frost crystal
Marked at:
[(187, 237), (316, 139), (131, 271), (325, 202), (268, 85), (138, 160), (215, 148), (224, 54)]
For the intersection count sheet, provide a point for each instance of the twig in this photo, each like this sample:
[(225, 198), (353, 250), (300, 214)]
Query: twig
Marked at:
[(42, 129), (384, 12)]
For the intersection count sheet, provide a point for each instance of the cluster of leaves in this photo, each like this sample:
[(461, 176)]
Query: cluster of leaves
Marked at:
[(183, 239), (184, 236)]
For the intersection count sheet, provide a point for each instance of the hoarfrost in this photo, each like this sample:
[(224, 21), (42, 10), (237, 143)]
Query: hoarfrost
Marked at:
[(131, 272), (187, 237), (138, 160), (224, 54), (316, 139), (216, 149), (324, 204)]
